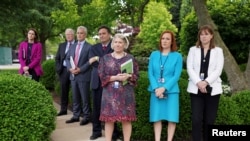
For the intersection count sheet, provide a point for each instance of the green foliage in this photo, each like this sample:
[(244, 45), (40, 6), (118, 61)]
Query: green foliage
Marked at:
[(157, 19), (242, 100), (57, 90), (99, 16), (232, 21), (26, 109), (183, 128), (243, 67), (188, 33), (186, 7), (48, 77), (67, 16), (143, 63), (142, 128), (228, 112), (184, 74)]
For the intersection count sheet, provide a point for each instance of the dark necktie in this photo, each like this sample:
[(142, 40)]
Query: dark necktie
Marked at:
[(104, 47)]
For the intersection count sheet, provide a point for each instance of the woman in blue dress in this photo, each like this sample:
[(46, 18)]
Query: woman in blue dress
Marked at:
[(164, 70)]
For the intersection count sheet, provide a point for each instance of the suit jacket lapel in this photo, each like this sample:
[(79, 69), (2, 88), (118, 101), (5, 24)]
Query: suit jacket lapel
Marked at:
[(198, 53)]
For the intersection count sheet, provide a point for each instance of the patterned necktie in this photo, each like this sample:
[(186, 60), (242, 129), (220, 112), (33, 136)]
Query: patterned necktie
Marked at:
[(77, 54), (104, 47)]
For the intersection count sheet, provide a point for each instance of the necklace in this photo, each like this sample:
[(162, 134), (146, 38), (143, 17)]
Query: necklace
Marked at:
[(118, 56)]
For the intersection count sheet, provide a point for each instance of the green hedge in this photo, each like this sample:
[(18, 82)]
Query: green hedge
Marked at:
[(242, 100), (49, 74), (26, 109)]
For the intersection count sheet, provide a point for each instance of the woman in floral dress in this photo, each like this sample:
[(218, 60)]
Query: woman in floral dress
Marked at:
[(118, 98)]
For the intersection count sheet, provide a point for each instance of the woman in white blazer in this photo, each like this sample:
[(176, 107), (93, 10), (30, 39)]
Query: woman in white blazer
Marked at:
[(204, 66)]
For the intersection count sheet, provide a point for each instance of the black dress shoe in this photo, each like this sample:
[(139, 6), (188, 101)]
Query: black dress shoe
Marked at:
[(72, 120), (84, 122), (62, 113), (95, 136)]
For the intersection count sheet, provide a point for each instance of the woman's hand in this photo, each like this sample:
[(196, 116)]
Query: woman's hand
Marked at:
[(159, 92), (202, 86), (123, 76), (25, 68)]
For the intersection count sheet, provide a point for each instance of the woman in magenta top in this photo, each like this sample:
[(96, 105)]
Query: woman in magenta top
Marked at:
[(30, 55)]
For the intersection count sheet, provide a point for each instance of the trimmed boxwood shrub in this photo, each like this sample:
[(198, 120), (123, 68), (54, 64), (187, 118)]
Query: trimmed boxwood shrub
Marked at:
[(142, 128), (242, 100), (228, 112), (26, 109), (49, 74), (183, 128)]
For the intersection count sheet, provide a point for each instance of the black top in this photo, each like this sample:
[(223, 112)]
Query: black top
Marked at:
[(204, 65), (29, 53)]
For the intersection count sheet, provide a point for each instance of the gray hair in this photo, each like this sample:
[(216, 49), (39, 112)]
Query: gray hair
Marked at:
[(120, 36), (84, 29), (70, 30)]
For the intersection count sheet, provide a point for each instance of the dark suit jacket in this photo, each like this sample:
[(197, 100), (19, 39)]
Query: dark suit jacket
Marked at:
[(60, 56), (97, 50), (83, 63)]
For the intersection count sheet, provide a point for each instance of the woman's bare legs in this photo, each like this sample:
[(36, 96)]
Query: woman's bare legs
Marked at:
[(157, 130), (171, 130), (109, 127), (127, 130)]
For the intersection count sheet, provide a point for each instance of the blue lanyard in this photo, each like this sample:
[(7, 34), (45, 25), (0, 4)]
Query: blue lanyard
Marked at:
[(162, 65)]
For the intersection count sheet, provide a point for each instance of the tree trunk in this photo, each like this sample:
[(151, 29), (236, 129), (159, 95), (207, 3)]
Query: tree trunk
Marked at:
[(236, 78), (247, 72), (141, 10)]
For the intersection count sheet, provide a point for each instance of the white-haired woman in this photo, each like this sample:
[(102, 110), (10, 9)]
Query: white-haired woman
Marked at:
[(118, 99)]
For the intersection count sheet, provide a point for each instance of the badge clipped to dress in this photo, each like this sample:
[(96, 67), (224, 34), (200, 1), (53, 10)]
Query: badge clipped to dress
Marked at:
[(116, 85), (161, 80)]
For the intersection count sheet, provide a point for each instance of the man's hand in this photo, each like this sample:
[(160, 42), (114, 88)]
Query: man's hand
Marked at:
[(75, 71), (93, 59)]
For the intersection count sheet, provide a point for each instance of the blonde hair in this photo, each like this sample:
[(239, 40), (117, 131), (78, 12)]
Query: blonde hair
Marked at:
[(120, 36)]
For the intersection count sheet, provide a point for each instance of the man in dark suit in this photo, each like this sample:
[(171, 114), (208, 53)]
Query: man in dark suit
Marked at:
[(96, 52), (80, 71), (61, 69)]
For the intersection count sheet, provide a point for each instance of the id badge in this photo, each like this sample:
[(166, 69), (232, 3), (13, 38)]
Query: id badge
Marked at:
[(202, 76), (116, 84), (161, 80)]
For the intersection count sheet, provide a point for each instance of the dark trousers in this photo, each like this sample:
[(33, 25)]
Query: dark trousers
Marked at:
[(34, 75), (96, 123), (64, 85), (81, 95), (204, 110), (96, 100)]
